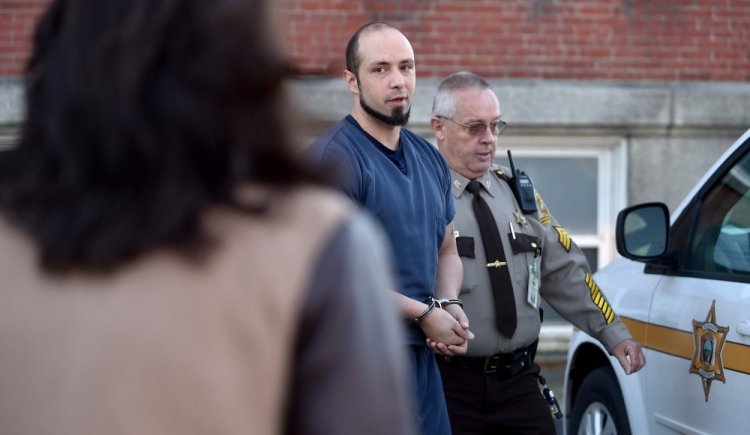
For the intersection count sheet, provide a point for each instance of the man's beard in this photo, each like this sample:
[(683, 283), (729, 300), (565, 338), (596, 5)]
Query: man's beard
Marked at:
[(397, 118)]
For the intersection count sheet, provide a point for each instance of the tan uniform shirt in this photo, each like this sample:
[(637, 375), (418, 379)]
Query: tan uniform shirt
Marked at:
[(566, 282)]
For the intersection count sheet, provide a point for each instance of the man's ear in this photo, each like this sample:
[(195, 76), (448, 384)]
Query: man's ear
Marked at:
[(351, 81), (438, 128)]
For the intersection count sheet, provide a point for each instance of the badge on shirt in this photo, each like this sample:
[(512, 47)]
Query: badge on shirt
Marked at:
[(533, 289)]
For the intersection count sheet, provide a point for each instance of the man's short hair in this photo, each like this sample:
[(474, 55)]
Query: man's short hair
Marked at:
[(353, 60), (444, 104)]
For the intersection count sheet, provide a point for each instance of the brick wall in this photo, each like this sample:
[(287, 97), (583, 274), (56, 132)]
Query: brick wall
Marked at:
[(595, 39), (575, 39), (17, 20)]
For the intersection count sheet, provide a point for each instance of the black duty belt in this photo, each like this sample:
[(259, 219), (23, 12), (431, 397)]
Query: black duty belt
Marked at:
[(504, 365)]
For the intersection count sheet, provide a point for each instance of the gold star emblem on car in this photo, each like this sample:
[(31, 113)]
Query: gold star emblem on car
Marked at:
[(708, 342)]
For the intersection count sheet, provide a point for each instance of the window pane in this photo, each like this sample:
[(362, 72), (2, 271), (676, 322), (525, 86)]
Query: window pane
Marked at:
[(591, 255), (722, 237), (568, 186)]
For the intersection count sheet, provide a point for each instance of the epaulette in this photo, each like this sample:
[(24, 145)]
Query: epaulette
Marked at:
[(501, 174)]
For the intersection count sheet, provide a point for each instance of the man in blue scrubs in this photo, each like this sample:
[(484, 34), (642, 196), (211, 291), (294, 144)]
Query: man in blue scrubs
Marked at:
[(405, 183)]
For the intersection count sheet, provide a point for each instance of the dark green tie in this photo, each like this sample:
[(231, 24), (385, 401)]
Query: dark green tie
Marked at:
[(505, 304)]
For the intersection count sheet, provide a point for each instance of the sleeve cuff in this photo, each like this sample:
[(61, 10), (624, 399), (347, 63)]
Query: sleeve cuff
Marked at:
[(614, 334)]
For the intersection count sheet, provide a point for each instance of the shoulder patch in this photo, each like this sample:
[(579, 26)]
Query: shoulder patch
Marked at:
[(544, 215), (563, 238), (600, 300)]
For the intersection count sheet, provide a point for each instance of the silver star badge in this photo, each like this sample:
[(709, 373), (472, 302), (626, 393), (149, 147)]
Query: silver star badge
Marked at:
[(520, 218)]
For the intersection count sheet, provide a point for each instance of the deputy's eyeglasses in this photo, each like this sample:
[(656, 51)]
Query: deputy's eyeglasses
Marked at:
[(478, 128)]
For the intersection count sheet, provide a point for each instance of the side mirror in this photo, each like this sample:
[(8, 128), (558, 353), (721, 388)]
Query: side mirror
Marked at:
[(642, 232)]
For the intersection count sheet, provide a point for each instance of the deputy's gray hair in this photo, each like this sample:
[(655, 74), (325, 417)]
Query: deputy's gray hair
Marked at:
[(444, 103)]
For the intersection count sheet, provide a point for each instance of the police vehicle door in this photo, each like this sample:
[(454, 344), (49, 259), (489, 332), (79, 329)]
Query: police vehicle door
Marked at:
[(699, 376)]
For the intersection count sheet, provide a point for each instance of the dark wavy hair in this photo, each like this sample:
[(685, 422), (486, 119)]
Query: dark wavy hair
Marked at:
[(140, 115)]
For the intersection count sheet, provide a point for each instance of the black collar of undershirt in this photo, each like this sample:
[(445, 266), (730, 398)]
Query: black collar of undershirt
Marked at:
[(395, 156)]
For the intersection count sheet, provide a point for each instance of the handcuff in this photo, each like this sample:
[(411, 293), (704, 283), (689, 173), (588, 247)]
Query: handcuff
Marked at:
[(439, 303)]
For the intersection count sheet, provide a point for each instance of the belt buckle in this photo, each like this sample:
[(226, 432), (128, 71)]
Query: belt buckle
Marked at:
[(490, 364)]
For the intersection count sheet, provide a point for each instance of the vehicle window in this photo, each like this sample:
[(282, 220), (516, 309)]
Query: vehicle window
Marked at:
[(722, 237)]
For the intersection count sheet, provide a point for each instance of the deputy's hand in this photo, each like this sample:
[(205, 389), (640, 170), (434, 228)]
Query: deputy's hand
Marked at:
[(630, 355)]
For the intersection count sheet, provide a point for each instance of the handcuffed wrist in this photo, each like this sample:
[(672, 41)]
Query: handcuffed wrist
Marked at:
[(443, 302), (433, 303)]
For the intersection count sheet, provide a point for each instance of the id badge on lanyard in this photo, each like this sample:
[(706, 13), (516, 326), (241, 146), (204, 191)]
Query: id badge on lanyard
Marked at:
[(533, 288)]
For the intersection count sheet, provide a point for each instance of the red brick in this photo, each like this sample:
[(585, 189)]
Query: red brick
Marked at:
[(643, 39), (7, 5)]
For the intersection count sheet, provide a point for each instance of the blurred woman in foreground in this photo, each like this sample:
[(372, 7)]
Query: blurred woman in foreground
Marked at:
[(168, 266)]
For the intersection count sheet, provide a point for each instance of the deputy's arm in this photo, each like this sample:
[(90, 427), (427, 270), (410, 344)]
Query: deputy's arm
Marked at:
[(567, 285)]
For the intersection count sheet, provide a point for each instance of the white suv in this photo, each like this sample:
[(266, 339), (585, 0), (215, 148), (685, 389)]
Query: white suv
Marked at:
[(688, 305)]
